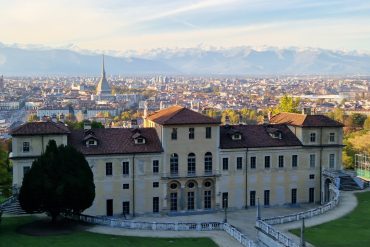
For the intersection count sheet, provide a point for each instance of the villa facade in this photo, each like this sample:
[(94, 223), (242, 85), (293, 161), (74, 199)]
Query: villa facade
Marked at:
[(185, 162)]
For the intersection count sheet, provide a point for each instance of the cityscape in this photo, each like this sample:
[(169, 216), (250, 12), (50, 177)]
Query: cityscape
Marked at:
[(185, 123)]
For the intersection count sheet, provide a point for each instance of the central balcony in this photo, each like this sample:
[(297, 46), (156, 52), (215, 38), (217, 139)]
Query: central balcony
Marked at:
[(190, 174)]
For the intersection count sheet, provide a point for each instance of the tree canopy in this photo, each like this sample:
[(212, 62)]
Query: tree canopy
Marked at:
[(288, 104), (59, 181)]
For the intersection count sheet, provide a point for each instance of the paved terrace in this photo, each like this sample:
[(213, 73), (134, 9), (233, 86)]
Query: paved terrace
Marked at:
[(244, 220)]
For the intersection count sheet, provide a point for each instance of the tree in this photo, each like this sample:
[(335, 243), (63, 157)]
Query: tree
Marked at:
[(288, 104), (5, 171), (367, 123), (358, 119), (59, 181)]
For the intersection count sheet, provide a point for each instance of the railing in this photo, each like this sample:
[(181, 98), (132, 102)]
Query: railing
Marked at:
[(275, 234), (265, 225), (190, 174), (8, 201), (238, 236), (306, 214), (165, 226)]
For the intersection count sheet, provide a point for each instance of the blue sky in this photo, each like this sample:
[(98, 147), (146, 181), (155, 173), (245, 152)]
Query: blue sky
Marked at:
[(142, 24)]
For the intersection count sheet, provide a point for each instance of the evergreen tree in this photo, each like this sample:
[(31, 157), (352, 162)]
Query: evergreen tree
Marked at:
[(59, 181)]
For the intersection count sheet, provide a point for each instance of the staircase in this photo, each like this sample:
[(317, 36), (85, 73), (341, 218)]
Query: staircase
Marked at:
[(11, 206), (347, 183)]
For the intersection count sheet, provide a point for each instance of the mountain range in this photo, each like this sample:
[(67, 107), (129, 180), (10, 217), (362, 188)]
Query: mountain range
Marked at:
[(22, 61)]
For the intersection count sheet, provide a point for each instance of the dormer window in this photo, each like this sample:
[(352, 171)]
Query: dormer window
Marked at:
[(236, 136), (91, 142), (140, 140), (276, 135), (274, 132)]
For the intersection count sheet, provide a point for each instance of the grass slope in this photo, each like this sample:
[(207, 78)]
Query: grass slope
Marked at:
[(9, 237), (350, 230)]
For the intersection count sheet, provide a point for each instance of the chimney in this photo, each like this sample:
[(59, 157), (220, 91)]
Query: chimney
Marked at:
[(54, 118), (227, 120), (306, 111), (87, 125), (134, 123), (62, 118)]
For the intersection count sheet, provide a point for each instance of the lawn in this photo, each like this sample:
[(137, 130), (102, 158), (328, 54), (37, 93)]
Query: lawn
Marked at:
[(350, 230), (9, 237)]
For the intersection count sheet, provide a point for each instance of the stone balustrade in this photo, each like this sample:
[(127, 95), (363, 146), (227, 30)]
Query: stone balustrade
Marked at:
[(277, 238)]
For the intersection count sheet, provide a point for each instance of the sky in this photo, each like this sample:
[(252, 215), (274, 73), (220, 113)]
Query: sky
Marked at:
[(140, 25)]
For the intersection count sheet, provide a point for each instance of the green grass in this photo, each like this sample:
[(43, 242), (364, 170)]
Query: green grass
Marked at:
[(9, 237), (350, 230)]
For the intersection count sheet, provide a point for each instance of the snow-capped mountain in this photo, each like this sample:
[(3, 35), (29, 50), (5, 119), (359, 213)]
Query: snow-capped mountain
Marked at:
[(71, 60)]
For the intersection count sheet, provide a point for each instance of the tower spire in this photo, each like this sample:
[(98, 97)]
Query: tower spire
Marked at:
[(103, 68)]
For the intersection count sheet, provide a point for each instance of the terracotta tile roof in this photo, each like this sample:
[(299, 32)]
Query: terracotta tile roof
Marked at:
[(116, 141), (303, 120), (257, 136), (40, 128), (178, 115)]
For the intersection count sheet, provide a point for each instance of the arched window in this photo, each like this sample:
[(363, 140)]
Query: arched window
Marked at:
[(174, 164), (208, 162), (191, 164)]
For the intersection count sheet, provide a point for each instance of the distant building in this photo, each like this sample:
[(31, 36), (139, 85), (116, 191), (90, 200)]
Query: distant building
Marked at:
[(2, 82), (103, 88)]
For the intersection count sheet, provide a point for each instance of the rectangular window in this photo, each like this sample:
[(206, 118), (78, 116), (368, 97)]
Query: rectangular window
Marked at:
[(266, 199), (208, 132), (281, 161), (26, 147), (126, 208), (125, 186), (311, 195), (313, 137), (207, 199), (191, 133), (190, 200), (332, 137), (225, 200), (267, 161), (331, 160), (312, 176), (109, 207), (155, 166), (253, 162), (173, 201), (108, 169), (225, 164), (312, 160), (294, 196), (174, 134), (252, 198), (125, 168), (155, 184), (26, 169), (239, 163), (294, 160), (155, 204)]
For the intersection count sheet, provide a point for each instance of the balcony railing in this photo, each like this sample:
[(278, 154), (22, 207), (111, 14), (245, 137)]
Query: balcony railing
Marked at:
[(190, 174)]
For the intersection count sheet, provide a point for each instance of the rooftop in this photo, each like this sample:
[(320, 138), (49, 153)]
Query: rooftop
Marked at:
[(178, 115), (40, 128), (304, 120)]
